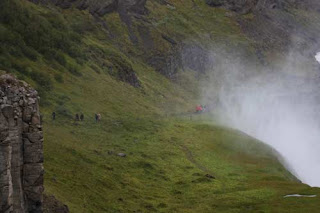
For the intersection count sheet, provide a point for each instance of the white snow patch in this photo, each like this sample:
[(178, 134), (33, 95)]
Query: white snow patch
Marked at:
[(297, 195)]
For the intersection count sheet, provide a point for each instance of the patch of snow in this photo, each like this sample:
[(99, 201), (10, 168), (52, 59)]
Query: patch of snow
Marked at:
[(297, 195)]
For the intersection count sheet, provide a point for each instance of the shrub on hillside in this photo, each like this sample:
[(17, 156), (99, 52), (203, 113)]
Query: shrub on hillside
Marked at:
[(62, 110), (59, 57), (58, 77), (62, 100), (95, 68), (20, 68), (5, 64), (29, 53), (74, 69), (28, 32), (51, 54), (43, 80)]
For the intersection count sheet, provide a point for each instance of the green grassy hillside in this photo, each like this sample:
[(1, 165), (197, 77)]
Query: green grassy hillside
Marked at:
[(168, 168), (83, 65)]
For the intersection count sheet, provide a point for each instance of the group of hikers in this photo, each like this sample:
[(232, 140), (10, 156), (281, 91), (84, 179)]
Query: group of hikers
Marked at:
[(80, 117), (97, 116)]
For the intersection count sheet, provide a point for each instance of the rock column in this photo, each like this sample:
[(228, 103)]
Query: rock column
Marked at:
[(21, 154)]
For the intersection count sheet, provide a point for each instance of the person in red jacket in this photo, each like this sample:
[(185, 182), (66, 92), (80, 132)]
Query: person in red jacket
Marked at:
[(199, 108)]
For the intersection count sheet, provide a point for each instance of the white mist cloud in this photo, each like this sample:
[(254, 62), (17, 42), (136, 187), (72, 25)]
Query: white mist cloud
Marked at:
[(278, 109), (318, 57)]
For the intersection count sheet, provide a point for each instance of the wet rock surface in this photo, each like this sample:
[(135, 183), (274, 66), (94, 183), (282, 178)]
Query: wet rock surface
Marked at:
[(21, 142)]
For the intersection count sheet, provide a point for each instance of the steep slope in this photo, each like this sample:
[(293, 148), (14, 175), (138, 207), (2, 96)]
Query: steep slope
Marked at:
[(139, 64), (170, 166)]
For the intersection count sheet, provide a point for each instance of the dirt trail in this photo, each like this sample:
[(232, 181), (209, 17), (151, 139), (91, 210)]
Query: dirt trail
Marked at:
[(208, 173), (190, 157)]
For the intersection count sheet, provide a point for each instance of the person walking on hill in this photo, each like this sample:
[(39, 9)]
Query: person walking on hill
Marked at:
[(53, 116), (99, 117), (199, 109), (77, 117), (81, 117), (204, 108)]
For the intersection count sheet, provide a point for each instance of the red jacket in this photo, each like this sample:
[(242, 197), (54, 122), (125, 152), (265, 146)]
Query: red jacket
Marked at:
[(199, 108)]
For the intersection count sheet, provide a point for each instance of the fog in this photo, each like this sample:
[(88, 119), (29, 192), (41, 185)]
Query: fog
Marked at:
[(276, 106), (317, 56)]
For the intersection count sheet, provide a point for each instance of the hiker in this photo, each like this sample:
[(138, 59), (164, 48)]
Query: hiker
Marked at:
[(204, 108), (77, 117), (53, 116), (81, 117), (98, 116), (199, 109)]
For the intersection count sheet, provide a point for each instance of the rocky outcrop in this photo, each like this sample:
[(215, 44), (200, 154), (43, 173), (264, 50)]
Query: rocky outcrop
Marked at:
[(189, 56), (166, 64), (21, 141), (195, 57), (277, 25), (246, 6)]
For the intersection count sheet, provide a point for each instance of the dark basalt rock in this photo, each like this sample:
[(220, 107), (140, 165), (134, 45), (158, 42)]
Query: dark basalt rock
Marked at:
[(195, 57), (133, 6), (274, 26), (181, 56), (123, 71), (215, 3), (166, 64), (246, 6), (258, 5), (21, 153)]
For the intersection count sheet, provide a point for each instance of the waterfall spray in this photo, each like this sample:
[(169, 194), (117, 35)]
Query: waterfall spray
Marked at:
[(278, 109)]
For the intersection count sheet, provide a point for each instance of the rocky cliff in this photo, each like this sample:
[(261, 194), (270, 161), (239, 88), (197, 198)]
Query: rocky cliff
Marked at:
[(21, 141), (280, 25), (248, 5), (270, 25)]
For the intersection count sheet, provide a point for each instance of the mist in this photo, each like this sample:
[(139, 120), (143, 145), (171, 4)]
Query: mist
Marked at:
[(279, 106), (317, 56)]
